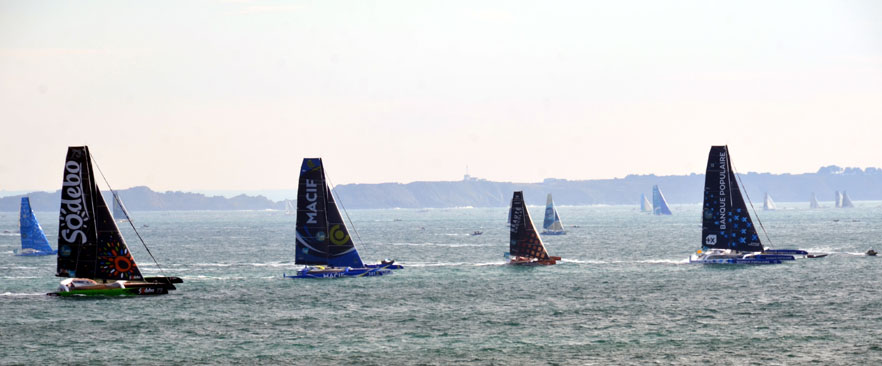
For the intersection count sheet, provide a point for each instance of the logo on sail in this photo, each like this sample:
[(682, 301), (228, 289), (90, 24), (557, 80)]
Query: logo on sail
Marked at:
[(73, 213), (711, 239)]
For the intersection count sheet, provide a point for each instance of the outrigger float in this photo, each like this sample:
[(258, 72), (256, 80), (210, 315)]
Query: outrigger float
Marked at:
[(525, 246), (91, 249), (728, 233), (323, 244)]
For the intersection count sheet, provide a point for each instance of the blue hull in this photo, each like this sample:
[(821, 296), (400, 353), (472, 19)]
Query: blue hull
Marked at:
[(786, 251), (348, 272), (390, 266), (737, 261), (554, 233)]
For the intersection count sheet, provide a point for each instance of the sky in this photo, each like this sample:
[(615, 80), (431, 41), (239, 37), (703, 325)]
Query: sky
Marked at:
[(231, 95)]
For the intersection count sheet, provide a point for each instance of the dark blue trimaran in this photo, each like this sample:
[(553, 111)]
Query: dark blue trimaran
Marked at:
[(727, 233), (323, 243)]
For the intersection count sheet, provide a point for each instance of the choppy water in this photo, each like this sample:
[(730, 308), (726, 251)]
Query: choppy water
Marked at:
[(623, 294)]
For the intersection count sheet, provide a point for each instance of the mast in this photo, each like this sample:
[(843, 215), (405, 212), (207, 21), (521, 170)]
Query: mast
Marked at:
[(322, 236), (524, 240), (32, 235), (645, 205), (726, 222), (814, 201), (846, 201), (768, 204), (551, 221), (659, 204), (90, 244)]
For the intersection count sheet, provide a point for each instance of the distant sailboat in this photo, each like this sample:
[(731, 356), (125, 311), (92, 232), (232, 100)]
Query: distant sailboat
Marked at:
[(120, 213), (645, 205), (33, 240), (814, 202), (323, 244), (659, 205), (728, 235), (525, 246), (846, 201), (91, 249), (768, 204), (290, 209), (838, 199), (551, 225)]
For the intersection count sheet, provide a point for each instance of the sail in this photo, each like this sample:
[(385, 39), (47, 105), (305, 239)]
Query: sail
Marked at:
[(120, 212), (726, 224), (659, 205), (525, 242), (290, 209), (645, 205), (89, 242), (552, 220), (32, 236), (768, 204), (838, 199), (846, 201), (814, 202), (322, 237)]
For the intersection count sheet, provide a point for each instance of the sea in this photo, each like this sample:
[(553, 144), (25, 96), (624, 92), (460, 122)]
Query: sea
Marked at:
[(624, 293)]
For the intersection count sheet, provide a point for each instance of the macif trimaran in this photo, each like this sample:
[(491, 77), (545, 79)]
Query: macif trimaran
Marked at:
[(91, 249), (525, 246), (322, 242), (728, 234)]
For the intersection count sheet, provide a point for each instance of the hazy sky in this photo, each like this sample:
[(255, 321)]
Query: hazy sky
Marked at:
[(189, 95)]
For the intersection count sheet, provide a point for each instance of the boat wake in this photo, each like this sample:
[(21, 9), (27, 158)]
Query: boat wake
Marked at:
[(450, 264), (21, 294)]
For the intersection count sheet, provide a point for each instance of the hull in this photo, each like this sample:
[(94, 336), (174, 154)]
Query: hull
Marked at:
[(735, 261), (34, 253), (530, 262), (786, 251), (318, 272), (554, 233), (120, 288), (745, 259)]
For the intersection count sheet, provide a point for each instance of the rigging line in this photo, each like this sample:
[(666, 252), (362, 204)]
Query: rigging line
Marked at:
[(132, 224), (755, 214), (354, 229)]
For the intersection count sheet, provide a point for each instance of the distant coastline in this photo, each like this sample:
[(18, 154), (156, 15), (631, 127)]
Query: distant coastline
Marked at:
[(862, 184)]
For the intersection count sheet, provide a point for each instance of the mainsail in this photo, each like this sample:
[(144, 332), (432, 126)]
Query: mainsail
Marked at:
[(552, 220), (726, 223), (814, 202), (846, 201), (120, 213), (525, 242), (322, 237), (659, 205), (290, 209), (838, 199), (645, 205), (768, 204), (32, 236), (89, 242)]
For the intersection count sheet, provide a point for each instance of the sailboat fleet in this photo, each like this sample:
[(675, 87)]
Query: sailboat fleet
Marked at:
[(95, 260)]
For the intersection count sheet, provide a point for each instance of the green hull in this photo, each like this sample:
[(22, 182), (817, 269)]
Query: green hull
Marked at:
[(101, 292)]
